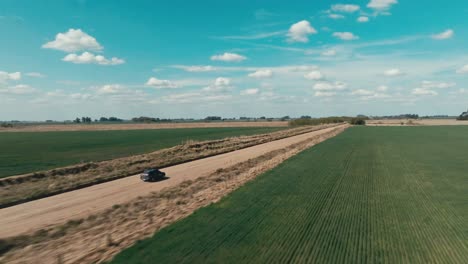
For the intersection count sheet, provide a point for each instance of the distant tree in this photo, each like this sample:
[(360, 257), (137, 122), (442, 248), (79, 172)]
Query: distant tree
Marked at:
[(262, 117), (77, 120), (306, 117), (103, 119), (358, 121), (213, 118), (115, 119)]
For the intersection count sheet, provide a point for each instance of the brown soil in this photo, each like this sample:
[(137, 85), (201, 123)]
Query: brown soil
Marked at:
[(135, 126), (23, 188), (100, 236), (411, 122)]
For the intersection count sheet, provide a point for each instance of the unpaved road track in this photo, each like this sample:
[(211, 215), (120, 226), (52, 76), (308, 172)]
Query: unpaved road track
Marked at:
[(81, 203)]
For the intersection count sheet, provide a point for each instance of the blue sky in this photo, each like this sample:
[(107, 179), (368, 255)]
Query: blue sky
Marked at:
[(62, 59)]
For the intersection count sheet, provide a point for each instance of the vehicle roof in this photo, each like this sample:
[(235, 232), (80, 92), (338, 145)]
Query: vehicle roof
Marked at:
[(150, 170)]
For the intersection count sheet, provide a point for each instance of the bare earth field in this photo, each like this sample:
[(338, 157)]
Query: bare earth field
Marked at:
[(132, 126), (43, 213), (422, 122)]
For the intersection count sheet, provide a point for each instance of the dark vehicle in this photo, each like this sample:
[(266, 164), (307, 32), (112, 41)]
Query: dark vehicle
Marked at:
[(152, 175)]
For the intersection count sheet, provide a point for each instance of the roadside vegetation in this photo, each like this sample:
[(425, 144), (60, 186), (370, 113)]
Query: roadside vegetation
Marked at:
[(369, 195), (24, 152)]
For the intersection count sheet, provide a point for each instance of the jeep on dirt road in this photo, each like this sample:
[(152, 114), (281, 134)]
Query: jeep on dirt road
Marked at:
[(152, 175)]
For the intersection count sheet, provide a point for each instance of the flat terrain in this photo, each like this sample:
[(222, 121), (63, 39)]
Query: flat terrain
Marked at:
[(23, 152), (421, 122), (369, 195), (134, 126), (81, 203)]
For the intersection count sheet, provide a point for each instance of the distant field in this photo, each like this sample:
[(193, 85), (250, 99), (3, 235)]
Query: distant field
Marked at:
[(369, 195), (136, 126), (22, 152)]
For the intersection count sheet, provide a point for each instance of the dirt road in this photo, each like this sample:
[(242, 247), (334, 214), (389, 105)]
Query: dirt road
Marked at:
[(58, 209)]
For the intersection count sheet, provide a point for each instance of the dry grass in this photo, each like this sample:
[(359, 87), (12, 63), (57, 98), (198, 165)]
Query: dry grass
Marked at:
[(23, 188), (99, 237), (134, 126)]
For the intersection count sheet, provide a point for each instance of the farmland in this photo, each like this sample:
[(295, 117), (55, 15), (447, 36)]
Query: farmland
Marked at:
[(369, 195), (23, 152)]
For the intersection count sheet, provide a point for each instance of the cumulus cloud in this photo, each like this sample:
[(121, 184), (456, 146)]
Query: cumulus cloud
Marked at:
[(73, 40), (422, 91), (393, 72), (363, 19), (109, 89), (300, 31), (252, 91), (362, 92), (345, 8), (261, 74), (160, 84), (314, 75), (382, 88), (195, 68), (221, 84), (444, 35), (20, 89), (324, 94), (463, 70), (436, 85), (345, 35), (381, 5), (35, 74), (90, 58), (228, 57), (329, 53), (336, 16), (330, 86), (5, 76)]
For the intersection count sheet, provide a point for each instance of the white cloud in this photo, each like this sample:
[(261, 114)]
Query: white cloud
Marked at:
[(463, 70), (363, 19), (252, 91), (422, 91), (109, 89), (221, 84), (228, 57), (73, 40), (324, 94), (5, 76), (160, 84), (314, 75), (393, 72), (437, 85), (381, 5), (300, 31), (444, 35), (330, 86), (193, 97), (20, 89), (195, 68), (336, 16), (329, 53), (35, 74), (345, 8), (345, 35), (382, 88), (362, 92), (261, 74), (90, 58)]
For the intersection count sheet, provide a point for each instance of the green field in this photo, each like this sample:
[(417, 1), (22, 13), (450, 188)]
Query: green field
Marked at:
[(22, 152), (369, 195)]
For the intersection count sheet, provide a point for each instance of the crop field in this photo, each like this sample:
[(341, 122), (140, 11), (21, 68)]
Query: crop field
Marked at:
[(369, 195), (23, 152)]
